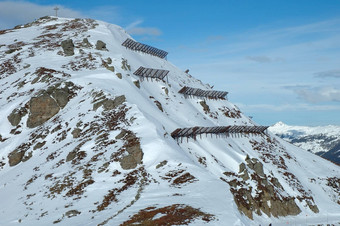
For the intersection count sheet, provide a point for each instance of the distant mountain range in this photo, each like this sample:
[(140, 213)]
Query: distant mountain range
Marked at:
[(321, 140)]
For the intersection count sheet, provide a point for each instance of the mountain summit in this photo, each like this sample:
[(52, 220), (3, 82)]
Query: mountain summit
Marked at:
[(94, 132)]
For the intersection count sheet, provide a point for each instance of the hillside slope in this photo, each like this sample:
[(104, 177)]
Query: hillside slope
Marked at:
[(321, 140), (83, 141)]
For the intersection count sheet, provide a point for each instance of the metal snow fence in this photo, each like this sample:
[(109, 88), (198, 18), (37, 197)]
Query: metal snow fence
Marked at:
[(151, 73), (213, 94), (137, 46), (192, 132)]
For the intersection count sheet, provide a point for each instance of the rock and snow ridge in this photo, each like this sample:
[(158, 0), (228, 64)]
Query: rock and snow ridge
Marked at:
[(83, 141), (321, 140)]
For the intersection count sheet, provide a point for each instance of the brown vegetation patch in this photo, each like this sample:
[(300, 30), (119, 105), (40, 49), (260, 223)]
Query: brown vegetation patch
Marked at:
[(231, 113), (85, 61), (9, 66), (177, 214), (79, 189), (334, 183), (179, 177), (79, 25), (184, 179), (130, 180), (60, 185), (50, 41)]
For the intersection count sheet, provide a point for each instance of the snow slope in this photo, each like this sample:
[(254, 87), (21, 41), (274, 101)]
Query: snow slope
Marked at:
[(83, 167), (321, 140)]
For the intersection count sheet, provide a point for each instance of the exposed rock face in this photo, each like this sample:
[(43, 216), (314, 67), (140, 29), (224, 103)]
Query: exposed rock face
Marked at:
[(100, 45), (61, 96), (205, 106), (39, 145), (15, 117), (132, 147), (119, 75), (267, 199), (15, 157), (109, 104), (110, 68), (137, 83), (125, 65), (76, 132), (48, 104), (86, 43), (68, 47), (42, 108)]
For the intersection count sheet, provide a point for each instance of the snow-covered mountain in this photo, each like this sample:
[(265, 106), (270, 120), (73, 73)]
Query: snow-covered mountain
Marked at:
[(321, 140), (84, 141)]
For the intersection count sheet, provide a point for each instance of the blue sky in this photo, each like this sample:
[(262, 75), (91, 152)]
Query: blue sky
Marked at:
[(279, 60)]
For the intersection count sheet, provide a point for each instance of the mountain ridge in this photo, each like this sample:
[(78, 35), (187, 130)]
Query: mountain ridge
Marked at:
[(321, 140), (87, 142)]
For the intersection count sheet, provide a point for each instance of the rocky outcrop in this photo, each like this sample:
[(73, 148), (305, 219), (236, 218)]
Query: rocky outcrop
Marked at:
[(137, 83), (206, 108), (86, 43), (119, 75), (267, 199), (109, 104), (15, 157), (42, 108), (76, 132), (15, 117), (134, 153), (68, 47), (61, 96), (100, 45), (48, 103), (125, 65)]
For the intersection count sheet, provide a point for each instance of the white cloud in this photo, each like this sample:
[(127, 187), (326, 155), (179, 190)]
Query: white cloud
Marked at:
[(330, 73), (259, 59), (287, 107), (135, 29), (13, 13), (319, 94)]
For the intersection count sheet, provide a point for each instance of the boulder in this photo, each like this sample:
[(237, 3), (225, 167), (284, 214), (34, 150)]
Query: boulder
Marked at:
[(86, 43), (100, 45), (61, 96), (39, 145), (68, 47), (205, 106), (128, 162), (71, 155), (42, 108), (15, 157), (109, 104), (137, 83), (15, 117), (109, 60), (119, 75), (110, 68), (76, 133), (258, 168)]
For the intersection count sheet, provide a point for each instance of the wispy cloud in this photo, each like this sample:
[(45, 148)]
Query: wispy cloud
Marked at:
[(135, 29), (319, 94), (287, 107), (19, 12), (316, 94), (330, 73), (264, 59)]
